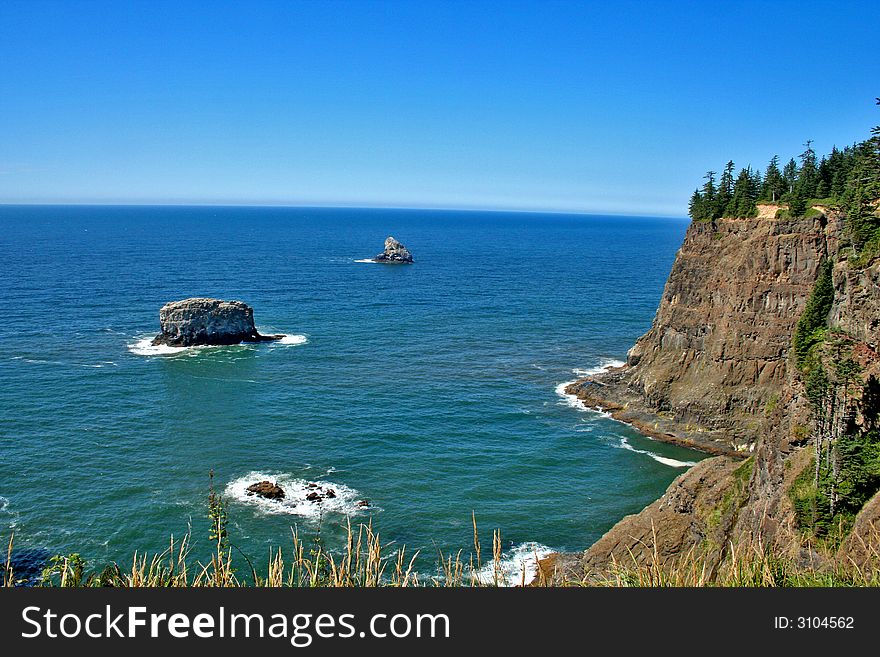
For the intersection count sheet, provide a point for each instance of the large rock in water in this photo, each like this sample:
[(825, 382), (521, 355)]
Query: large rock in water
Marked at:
[(394, 253), (200, 321)]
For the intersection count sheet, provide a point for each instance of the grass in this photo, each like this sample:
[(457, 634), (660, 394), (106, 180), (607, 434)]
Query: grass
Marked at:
[(747, 564), (365, 562)]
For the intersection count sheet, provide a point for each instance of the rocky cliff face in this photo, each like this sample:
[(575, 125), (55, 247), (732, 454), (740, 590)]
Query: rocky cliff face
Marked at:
[(714, 363), (715, 371), (202, 321)]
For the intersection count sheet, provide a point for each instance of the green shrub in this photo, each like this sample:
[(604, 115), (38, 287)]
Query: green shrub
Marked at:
[(810, 329)]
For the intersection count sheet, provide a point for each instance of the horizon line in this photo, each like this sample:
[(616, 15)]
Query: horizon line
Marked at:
[(339, 206)]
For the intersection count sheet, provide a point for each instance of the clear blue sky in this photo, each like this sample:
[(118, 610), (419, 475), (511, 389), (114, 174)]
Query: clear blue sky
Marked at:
[(590, 106)]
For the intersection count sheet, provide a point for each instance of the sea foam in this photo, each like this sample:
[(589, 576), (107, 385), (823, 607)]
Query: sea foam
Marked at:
[(518, 566), (572, 400), (674, 463), (292, 340), (295, 502), (145, 346)]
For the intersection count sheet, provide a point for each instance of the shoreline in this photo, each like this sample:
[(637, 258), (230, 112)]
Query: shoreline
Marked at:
[(626, 407)]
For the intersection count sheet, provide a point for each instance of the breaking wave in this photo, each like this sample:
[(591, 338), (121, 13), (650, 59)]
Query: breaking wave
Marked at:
[(292, 340), (673, 463), (145, 346), (572, 400), (518, 566)]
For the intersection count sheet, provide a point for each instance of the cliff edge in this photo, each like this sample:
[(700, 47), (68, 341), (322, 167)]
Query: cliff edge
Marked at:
[(717, 371)]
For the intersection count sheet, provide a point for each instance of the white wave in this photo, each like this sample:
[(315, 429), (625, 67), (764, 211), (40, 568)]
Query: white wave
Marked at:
[(4, 504), (518, 566), (605, 364), (569, 399), (292, 340), (367, 260), (673, 463), (145, 347), (573, 400), (295, 502), (576, 402)]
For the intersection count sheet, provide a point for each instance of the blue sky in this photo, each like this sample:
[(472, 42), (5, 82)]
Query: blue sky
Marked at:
[(591, 106)]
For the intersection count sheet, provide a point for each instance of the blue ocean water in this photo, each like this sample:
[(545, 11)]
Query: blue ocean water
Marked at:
[(432, 390)]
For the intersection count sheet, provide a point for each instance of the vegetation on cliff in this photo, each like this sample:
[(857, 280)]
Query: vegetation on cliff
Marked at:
[(847, 178), (811, 327)]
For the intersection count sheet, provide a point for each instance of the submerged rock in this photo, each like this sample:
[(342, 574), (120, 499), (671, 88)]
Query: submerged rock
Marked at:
[(394, 253), (201, 321), (318, 493), (266, 489)]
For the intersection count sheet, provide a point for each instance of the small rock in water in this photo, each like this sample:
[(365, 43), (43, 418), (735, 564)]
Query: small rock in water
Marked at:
[(266, 489), (314, 497), (363, 503), (330, 493), (394, 253)]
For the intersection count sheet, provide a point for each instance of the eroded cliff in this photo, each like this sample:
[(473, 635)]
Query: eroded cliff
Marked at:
[(716, 371)]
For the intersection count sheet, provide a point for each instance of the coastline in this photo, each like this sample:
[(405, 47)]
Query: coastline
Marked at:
[(606, 392)]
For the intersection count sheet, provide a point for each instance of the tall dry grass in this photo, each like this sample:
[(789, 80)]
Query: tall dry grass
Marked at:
[(364, 561)]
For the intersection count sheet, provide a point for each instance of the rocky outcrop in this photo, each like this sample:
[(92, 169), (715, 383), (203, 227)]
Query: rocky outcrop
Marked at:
[(394, 253), (267, 489), (202, 321), (694, 511), (715, 372), (715, 362)]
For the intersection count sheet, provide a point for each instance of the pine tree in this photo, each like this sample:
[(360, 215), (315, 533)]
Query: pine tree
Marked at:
[(742, 203), (725, 191), (797, 202), (774, 186), (696, 209), (808, 174), (709, 196), (789, 176)]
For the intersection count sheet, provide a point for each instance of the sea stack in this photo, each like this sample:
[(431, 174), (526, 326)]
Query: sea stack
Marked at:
[(201, 321), (394, 253)]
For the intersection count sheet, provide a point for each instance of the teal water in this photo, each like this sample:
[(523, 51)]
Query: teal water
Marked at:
[(431, 389)]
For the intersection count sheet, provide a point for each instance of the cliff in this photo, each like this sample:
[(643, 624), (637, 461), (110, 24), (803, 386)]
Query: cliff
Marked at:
[(716, 371), (715, 360)]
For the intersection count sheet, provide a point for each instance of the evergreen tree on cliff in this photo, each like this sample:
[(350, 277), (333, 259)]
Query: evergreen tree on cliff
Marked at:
[(789, 176), (725, 191), (742, 204), (808, 174), (774, 185)]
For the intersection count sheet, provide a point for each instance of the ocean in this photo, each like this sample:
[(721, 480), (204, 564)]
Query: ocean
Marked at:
[(433, 390)]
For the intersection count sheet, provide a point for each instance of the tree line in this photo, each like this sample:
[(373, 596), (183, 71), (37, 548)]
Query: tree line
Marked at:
[(847, 177)]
